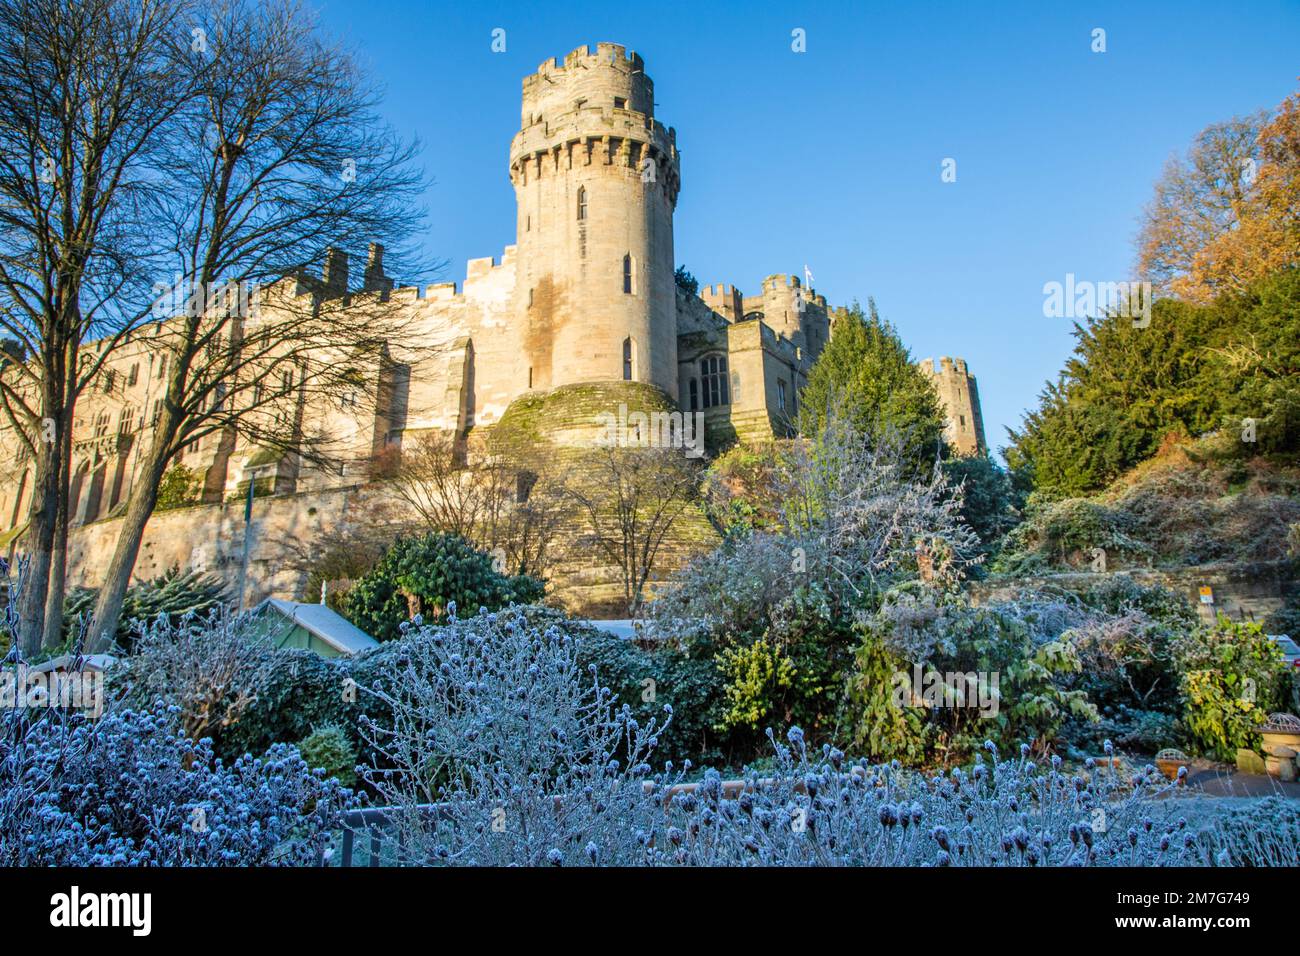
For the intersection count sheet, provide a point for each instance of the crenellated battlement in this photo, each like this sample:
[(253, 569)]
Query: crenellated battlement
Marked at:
[(611, 77), (590, 139)]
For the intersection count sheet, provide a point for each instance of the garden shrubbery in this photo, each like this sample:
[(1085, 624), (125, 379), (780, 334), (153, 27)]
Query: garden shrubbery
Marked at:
[(129, 790), (423, 575)]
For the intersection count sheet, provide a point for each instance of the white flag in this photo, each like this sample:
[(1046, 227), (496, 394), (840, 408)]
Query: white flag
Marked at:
[(807, 275)]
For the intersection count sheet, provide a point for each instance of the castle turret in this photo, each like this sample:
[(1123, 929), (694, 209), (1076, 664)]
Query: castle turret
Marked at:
[(596, 178), (960, 398)]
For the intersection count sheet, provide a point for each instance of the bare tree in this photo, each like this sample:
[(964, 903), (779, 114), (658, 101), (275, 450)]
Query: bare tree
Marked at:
[(280, 159), (433, 479), (631, 498), (86, 87), (503, 497)]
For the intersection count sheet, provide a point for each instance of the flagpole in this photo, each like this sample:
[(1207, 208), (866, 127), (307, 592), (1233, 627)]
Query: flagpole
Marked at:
[(248, 536)]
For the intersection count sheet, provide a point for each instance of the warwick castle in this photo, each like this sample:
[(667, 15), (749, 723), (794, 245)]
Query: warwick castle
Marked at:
[(586, 296)]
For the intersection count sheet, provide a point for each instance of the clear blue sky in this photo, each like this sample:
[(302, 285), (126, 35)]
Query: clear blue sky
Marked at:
[(833, 157)]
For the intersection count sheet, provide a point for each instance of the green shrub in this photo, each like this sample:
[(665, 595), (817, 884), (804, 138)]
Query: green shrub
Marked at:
[(180, 486), (647, 677), (173, 594), (1232, 676), (328, 748), (423, 576), (1025, 674)]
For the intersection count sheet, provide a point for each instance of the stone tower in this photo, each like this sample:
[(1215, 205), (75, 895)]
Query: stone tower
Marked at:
[(596, 179), (960, 398)]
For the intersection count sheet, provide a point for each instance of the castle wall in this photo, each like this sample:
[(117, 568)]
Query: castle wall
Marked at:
[(596, 179)]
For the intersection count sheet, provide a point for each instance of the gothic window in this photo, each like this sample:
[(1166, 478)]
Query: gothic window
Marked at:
[(102, 422), (694, 389), (629, 360), (629, 274), (157, 412), (780, 395), (110, 378), (713, 378), (134, 375), (582, 203)]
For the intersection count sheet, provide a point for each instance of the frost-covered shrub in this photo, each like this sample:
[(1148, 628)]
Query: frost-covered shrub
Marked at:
[(823, 810), (499, 724), (128, 790), (504, 751), (648, 677), (1062, 534), (1255, 833), (846, 518), (211, 669), (1133, 730)]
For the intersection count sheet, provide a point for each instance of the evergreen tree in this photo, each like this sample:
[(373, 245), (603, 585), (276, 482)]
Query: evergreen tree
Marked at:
[(868, 372), (1192, 370)]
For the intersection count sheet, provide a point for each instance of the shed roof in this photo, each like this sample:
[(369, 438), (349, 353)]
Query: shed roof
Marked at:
[(322, 622)]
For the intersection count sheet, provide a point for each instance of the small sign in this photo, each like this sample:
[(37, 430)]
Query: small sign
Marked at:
[(1207, 594)]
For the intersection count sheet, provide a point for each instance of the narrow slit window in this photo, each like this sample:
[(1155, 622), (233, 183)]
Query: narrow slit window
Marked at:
[(582, 203), (629, 275), (627, 360)]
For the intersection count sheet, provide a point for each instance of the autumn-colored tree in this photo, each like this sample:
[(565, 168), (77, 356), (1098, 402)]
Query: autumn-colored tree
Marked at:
[(1198, 198), (1227, 213), (1267, 233)]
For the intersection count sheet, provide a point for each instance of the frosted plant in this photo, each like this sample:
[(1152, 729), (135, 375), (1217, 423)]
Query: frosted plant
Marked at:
[(212, 668), (495, 723), (128, 789), (514, 756)]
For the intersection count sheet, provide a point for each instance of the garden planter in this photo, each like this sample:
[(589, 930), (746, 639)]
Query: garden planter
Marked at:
[(1281, 730), (1169, 761), (1280, 763)]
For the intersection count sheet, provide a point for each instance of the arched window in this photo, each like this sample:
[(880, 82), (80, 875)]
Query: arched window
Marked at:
[(629, 274), (582, 203), (713, 380), (695, 394), (629, 360)]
